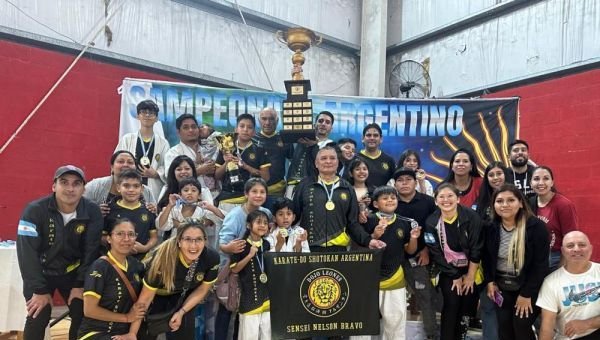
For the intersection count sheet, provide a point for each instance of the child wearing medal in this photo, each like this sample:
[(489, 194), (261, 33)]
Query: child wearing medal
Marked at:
[(400, 236), (254, 315), (285, 237), (188, 203)]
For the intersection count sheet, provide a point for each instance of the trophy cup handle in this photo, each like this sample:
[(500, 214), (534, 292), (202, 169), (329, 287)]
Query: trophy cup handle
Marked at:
[(319, 40), (279, 35)]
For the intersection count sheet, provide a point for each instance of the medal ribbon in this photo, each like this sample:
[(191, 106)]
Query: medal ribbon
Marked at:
[(144, 151), (329, 193)]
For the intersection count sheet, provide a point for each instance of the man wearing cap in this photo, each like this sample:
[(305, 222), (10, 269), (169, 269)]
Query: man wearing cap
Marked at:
[(417, 206), (149, 149), (57, 239)]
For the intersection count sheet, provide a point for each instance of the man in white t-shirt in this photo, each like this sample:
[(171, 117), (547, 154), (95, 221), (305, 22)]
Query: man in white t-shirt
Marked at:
[(570, 296)]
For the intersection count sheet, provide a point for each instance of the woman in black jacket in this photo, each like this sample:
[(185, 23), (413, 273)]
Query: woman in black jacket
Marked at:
[(453, 235), (515, 263)]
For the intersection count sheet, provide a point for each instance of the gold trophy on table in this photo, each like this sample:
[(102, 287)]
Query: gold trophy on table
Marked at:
[(297, 108)]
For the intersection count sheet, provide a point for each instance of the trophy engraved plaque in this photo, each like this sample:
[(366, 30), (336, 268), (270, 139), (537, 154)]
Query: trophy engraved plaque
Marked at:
[(297, 108)]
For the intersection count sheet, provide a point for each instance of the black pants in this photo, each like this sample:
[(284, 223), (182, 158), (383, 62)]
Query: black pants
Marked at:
[(35, 328), (511, 326), (187, 330), (456, 310)]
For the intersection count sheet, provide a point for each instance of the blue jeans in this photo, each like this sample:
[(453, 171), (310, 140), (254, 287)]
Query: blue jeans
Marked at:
[(554, 260), (487, 310)]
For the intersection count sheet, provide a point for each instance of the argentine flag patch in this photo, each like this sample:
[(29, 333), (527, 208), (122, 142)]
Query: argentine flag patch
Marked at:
[(27, 229)]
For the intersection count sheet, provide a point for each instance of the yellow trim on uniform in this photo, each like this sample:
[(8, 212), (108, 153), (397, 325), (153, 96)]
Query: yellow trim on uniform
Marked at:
[(92, 293), (123, 267), (265, 165), (394, 282), (148, 285), (451, 220), (293, 182), (479, 274), (265, 307), (182, 260), (88, 335), (268, 136), (73, 266), (277, 188), (120, 204), (211, 282), (364, 153), (341, 240), (235, 200), (329, 183)]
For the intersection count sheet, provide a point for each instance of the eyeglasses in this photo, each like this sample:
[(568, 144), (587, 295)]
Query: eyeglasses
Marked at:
[(124, 234), (190, 240), (147, 113)]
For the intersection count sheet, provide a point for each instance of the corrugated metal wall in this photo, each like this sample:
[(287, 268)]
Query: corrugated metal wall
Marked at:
[(186, 38), (536, 39)]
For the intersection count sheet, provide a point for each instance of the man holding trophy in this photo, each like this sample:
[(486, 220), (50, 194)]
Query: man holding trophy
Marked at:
[(238, 160)]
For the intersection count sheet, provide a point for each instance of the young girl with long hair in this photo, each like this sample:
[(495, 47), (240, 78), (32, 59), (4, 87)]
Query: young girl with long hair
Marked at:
[(255, 318)]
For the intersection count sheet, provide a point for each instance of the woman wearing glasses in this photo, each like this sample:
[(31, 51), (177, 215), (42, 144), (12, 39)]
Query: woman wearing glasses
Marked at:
[(108, 304), (177, 260)]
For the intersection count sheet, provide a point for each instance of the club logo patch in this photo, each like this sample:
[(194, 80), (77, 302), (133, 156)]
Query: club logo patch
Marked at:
[(385, 166), (400, 233), (252, 156), (324, 292), (144, 217), (80, 229), (199, 277), (344, 196)]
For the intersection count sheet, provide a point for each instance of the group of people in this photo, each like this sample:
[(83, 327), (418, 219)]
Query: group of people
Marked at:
[(152, 236)]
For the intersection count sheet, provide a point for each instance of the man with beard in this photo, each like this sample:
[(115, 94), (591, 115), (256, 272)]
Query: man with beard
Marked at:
[(520, 172), (381, 165)]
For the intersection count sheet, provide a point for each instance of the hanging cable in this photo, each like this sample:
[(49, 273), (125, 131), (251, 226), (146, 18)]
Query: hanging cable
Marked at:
[(65, 73), (254, 46)]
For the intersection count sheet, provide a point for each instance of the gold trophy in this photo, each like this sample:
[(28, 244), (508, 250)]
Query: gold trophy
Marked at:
[(297, 108), (227, 145)]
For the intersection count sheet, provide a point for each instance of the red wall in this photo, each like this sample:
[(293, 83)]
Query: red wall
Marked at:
[(79, 124), (560, 121)]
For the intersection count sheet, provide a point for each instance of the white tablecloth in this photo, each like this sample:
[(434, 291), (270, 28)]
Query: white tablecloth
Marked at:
[(12, 302)]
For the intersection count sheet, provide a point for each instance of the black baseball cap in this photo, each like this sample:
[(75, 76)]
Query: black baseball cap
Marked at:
[(404, 171)]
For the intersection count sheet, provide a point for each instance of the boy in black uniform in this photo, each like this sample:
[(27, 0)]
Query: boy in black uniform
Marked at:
[(130, 207), (399, 236), (57, 240), (381, 165), (249, 158)]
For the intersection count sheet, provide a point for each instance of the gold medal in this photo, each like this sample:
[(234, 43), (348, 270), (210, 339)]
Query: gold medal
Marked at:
[(329, 205), (263, 278), (145, 161)]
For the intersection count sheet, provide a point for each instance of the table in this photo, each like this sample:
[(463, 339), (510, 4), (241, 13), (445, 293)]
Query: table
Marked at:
[(12, 302)]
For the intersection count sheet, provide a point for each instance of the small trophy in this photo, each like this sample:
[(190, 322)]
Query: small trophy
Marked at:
[(227, 145), (297, 108)]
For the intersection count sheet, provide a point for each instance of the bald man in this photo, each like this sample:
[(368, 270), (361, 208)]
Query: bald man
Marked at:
[(570, 296)]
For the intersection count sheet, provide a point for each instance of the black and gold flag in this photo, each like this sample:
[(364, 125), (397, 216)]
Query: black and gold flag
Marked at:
[(323, 294)]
